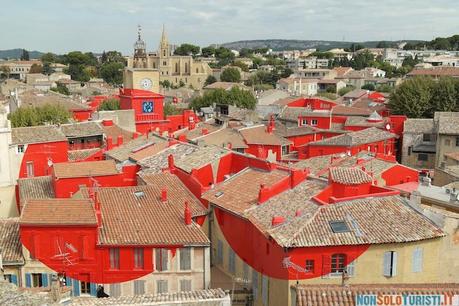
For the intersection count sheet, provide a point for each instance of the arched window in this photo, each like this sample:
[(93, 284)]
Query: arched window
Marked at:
[(338, 263)]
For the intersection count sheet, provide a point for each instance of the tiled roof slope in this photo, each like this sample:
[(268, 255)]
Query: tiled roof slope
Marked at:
[(77, 155), (259, 135), (349, 176), (10, 242), (40, 187), (213, 296), (82, 169), (365, 136), (448, 125), (240, 192), (223, 137), (413, 125), (143, 219), (82, 129), (371, 221), (122, 153), (37, 134), (58, 212), (332, 295)]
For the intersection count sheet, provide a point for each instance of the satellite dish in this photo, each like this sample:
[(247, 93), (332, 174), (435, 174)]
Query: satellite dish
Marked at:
[(388, 126)]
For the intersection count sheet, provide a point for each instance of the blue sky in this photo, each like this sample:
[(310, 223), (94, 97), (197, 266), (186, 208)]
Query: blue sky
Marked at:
[(95, 25)]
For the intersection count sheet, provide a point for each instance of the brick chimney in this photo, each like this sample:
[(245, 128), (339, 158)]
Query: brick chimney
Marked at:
[(109, 143), (277, 220), (187, 214), (170, 161), (271, 125), (120, 140), (135, 135), (204, 131), (107, 122), (164, 194), (97, 208)]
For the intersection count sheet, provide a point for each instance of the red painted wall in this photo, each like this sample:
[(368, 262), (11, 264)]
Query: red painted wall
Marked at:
[(313, 103), (266, 256), (400, 174), (40, 153), (261, 151), (318, 150), (134, 98), (81, 115), (89, 259), (65, 187)]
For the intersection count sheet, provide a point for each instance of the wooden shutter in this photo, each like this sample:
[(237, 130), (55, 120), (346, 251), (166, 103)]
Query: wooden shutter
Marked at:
[(14, 279), (255, 284), (44, 279), (93, 289), (417, 260), (387, 264), (28, 280), (394, 263), (158, 260), (264, 289), (164, 259), (326, 266)]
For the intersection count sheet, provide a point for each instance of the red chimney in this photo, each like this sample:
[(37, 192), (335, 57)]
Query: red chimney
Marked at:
[(204, 131), (135, 135), (164, 194), (170, 161), (298, 213), (271, 125), (187, 214), (120, 140), (277, 220), (107, 122), (182, 137), (109, 143), (97, 208), (229, 146)]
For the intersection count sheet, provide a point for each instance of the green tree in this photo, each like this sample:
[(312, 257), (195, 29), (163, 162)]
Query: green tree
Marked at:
[(241, 65), (238, 97), (412, 98), (181, 84), (49, 58), (384, 88), (410, 61), (187, 49), (362, 60), (112, 57), (170, 109), (33, 116), (245, 52), (444, 96), (345, 90), (369, 86), (25, 55), (224, 56), (5, 71), (47, 68), (231, 75), (35, 68), (62, 89), (210, 80), (208, 51), (354, 47), (322, 55), (165, 84), (109, 104), (112, 72)]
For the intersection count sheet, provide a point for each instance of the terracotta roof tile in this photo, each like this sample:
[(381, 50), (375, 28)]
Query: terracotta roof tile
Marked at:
[(82, 169), (37, 134), (259, 135), (365, 136), (122, 153), (78, 155), (10, 242), (349, 176), (240, 192), (58, 212), (197, 297), (419, 126), (223, 137), (143, 219), (159, 161), (332, 295), (436, 71), (40, 187), (82, 129), (114, 131)]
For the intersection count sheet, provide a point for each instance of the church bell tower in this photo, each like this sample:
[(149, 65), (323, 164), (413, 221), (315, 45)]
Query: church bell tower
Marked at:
[(140, 51)]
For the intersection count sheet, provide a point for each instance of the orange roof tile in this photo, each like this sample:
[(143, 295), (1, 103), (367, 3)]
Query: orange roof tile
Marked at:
[(82, 169)]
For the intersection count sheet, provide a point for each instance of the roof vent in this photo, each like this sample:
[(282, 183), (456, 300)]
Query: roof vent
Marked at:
[(164, 194), (139, 194), (219, 194)]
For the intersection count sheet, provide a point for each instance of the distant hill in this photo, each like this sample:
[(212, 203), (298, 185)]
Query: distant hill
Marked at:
[(16, 54), (287, 44)]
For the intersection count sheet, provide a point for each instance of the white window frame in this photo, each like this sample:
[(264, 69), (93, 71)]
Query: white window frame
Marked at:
[(417, 260), (168, 261), (179, 286), (20, 151), (138, 284), (162, 281), (314, 122)]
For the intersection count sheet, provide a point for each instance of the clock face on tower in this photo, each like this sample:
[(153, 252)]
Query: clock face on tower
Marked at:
[(146, 83), (147, 106)]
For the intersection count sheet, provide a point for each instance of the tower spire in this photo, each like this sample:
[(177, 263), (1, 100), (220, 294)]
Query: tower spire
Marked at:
[(164, 36)]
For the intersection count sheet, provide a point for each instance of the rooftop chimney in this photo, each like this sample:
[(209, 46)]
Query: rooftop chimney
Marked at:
[(170, 161), (109, 143), (120, 140), (277, 220), (107, 122), (187, 214), (298, 213), (204, 131), (164, 194)]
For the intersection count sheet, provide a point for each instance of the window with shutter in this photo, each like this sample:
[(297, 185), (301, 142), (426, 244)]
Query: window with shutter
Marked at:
[(161, 259), (351, 268), (138, 258), (115, 290), (255, 284), (114, 258), (161, 286), (139, 287), (264, 290), (326, 266), (185, 259), (390, 264), (231, 261), (417, 260), (185, 285)]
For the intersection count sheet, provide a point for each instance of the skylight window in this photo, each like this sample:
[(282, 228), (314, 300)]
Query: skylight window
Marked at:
[(219, 194), (139, 194), (339, 226)]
